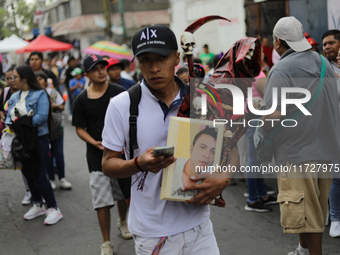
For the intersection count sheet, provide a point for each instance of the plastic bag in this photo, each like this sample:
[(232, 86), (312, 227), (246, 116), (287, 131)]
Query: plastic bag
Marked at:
[(6, 157)]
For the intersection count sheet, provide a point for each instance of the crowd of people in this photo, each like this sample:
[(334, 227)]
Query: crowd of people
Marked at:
[(36, 93), (100, 111)]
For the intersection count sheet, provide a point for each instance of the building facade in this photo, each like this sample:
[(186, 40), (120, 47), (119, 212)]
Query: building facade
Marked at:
[(83, 23)]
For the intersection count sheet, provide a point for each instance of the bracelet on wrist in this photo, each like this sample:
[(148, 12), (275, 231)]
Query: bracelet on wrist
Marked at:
[(137, 165)]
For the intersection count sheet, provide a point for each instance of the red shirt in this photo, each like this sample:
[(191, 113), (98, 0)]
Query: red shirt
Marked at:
[(268, 52)]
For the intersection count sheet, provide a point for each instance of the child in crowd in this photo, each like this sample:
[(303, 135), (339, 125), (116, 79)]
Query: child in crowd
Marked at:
[(77, 83)]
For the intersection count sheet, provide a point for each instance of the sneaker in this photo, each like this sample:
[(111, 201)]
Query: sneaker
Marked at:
[(246, 194), (53, 185), (53, 216), (35, 211), (27, 198), (257, 207), (270, 191), (296, 252), (106, 248), (334, 230), (123, 228), (64, 184), (270, 200)]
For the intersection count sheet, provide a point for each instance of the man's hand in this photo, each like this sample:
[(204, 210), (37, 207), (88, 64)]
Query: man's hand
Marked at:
[(99, 145), (2, 117), (148, 162), (208, 190)]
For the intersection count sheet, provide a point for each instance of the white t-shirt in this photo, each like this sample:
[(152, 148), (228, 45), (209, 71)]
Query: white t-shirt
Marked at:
[(126, 75), (148, 215), (56, 97)]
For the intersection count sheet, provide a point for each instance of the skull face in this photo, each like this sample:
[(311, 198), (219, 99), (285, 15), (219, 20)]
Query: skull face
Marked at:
[(197, 104), (188, 43), (250, 53)]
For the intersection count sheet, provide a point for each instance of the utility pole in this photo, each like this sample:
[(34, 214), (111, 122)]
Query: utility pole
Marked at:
[(121, 11), (107, 16), (40, 6), (14, 18)]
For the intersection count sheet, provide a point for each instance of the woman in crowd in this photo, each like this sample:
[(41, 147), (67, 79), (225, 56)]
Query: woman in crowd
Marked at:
[(4, 96), (33, 101), (57, 134)]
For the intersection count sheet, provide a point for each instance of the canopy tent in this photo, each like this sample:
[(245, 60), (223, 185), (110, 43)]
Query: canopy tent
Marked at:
[(43, 43), (11, 44), (110, 49)]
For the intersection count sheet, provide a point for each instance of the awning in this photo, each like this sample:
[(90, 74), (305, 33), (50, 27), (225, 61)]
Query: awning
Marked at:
[(43, 43), (12, 43)]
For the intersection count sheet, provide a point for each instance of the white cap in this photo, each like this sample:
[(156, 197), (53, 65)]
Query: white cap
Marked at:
[(290, 30)]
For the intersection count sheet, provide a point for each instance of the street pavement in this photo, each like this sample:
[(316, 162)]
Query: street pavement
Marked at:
[(238, 232)]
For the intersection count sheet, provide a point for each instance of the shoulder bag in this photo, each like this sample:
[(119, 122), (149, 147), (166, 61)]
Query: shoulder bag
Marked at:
[(264, 142)]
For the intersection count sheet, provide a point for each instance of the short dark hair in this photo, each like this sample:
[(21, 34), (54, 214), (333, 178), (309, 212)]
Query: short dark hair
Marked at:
[(181, 70), (38, 53), (207, 131), (70, 59), (125, 63), (283, 42), (41, 74), (206, 46), (334, 32)]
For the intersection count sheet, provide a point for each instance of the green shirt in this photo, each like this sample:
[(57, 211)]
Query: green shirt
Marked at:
[(206, 58)]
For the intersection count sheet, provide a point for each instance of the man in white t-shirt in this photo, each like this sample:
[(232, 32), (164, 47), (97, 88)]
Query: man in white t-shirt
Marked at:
[(173, 227)]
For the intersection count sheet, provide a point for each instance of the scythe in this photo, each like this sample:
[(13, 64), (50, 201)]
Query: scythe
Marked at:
[(236, 67)]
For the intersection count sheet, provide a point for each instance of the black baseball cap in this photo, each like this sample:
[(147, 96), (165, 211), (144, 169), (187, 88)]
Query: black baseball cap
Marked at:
[(157, 39), (91, 60)]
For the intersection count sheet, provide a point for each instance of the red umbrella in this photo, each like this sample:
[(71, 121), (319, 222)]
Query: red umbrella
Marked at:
[(43, 43)]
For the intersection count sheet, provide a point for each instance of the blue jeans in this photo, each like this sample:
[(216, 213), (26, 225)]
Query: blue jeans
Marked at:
[(334, 197), (41, 186), (57, 152), (255, 181), (70, 98)]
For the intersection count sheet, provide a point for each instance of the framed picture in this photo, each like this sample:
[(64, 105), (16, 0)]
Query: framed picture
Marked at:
[(198, 147)]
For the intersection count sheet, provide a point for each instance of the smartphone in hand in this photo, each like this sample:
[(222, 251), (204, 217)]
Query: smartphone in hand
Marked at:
[(166, 151)]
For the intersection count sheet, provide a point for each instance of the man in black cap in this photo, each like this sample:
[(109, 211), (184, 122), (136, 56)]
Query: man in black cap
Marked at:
[(88, 118), (173, 227)]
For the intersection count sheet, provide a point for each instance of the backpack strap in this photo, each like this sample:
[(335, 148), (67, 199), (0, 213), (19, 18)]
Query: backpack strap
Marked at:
[(135, 93), (295, 115)]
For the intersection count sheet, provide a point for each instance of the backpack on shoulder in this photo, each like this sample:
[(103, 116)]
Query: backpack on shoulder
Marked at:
[(135, 93)]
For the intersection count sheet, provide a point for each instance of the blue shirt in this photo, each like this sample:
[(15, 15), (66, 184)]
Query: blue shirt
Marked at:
[(74, 82), (126, 83)]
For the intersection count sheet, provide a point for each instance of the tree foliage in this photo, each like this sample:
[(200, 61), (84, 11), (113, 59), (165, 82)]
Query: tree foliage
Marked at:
[(16, 16)]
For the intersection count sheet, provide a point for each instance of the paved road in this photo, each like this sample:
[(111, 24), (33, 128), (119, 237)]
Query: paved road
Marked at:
[(238, 232)]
